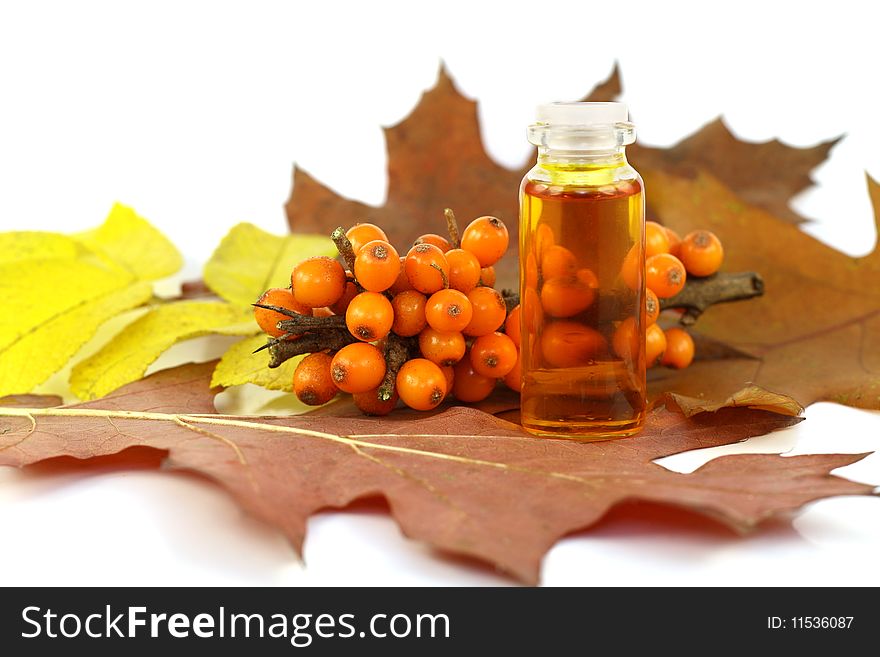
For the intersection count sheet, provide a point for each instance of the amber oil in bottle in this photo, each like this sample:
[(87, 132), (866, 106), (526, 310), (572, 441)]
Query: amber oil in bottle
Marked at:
[(582, 276)]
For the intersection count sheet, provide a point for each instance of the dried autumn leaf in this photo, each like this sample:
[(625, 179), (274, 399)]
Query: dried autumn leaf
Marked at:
[(767, 175), (463, 480), (814, 335)]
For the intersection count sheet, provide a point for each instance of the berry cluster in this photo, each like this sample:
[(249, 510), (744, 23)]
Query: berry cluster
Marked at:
[(669, 261), (417, 327)]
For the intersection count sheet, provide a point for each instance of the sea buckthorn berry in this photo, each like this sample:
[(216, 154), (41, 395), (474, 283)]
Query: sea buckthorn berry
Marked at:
[(421, 384), (369, 403), (318, 281), (588, 278), (489, 311), (402, 283), (377, 266), (632, 271), (469, 386), (350, 293), (674, 242), (449, 373), (487, 276), (558, 261), (679, 349), (409, 313), (625, 341), (513, 379), (437, 240), (656, 239), (427, 268), (544, 239), (312, 381), (449, 310), (360, 234), (702, 253), (665, 274), (443, 348), (369, 316), (486, 238), (566, 297), (464, 270), (322, 312), (512, 325), (655, 344), (565, 343), (533, 313), (493, 355), (652, 307), (357, 367), (531, 271), (283, 298)]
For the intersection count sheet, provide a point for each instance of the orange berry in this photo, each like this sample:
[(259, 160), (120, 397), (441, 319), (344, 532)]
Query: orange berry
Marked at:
[(533, 313), (632, 270), (464, 270), (268, 319), (565, 343), (655, 344), (357, 367), (377, 266), (493, 355), (512, 327), (625, 340), (544, 239), (409, 313), (702, 253), (656, 239), (674, 242), (424, 264), (318, 281), (369, 316), (443, 348), (351, 291), (448, 310), (449, 373), (566, 297), (665, 275), (489, 311), (652, 307), (469, 386), (486, 238), (679, 349), (360, 234), (421, 384), (402, 283), (588, 278), (513, 379), (322, 312), (558, 261), (312, 381), (531, 271), (369, 403), (433, 238), (487, 276)]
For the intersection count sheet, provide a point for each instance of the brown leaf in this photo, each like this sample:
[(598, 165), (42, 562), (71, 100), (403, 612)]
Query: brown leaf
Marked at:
[(765, 174), (814, 335), (463, 481), (31, 401), (436, 160)]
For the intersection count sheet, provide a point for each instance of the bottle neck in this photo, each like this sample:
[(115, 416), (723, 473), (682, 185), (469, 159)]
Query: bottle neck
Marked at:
[(589, 168)]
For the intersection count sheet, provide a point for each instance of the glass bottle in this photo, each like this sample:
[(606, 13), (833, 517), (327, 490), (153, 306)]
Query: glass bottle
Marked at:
[(582, 276)]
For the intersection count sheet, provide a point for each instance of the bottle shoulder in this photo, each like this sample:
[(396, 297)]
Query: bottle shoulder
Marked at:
[(583, 177)]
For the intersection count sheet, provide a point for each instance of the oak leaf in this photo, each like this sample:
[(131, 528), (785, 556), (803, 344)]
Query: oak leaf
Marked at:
[(463, 481)]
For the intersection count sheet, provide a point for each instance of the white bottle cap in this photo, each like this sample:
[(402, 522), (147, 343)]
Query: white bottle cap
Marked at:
[(582, 114)]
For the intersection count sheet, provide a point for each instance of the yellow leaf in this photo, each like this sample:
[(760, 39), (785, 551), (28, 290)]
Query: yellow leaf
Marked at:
[(34, 354), (129, 354), (27, 244), (132, 242), (249, 261), (241, 365)]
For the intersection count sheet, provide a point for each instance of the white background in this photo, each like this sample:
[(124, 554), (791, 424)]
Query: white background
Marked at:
[(193, 112)]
